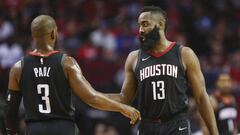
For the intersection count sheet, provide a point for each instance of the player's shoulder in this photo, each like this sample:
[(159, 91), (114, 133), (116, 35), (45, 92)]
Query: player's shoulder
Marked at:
[(134, 53), (132, 56), (68, 58), (188, 54), (69, 64), (68, 61), (17, 66), (16, 70), (132, 59), (188, 57), (187, 51)]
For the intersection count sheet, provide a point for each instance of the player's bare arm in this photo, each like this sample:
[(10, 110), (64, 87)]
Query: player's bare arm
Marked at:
[(82, 88), (14, 77), (13, 99), (197, 82), (129, 87), (213, 102)]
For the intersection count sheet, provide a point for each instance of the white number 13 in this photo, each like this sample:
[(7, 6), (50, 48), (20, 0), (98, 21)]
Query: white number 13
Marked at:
[(158, 94), (45, 97)]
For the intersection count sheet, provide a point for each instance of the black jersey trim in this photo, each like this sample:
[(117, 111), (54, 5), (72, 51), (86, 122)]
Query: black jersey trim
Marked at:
[(22, 62), (43, 55), (158, 55), (62, 60), (22, 70), (180, 59), (138, 61), (22, 65), (62, 63)]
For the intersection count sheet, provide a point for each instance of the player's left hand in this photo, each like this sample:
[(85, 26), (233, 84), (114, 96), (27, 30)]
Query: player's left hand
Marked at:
[(131, 113)]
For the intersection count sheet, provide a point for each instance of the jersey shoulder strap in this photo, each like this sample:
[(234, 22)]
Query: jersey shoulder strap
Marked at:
[(138, 60)]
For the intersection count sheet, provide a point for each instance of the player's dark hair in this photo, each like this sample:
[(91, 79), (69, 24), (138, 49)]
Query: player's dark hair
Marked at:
[(158, 10)]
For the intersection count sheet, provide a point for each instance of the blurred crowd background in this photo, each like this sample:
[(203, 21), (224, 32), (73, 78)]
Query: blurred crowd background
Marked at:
[(99, 34)]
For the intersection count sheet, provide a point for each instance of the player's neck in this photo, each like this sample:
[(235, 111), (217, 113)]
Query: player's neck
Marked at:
[(43, 47), (161, 46)]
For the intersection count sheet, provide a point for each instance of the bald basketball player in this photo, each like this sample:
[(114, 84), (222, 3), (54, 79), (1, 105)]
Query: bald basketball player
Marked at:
[(44, 79), (160, 72)]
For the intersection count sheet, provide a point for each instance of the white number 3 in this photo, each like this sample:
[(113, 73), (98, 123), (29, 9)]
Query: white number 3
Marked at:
[(45, 97), (161, 93)]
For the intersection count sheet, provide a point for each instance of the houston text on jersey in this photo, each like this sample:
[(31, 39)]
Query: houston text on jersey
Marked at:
[(157, 70)]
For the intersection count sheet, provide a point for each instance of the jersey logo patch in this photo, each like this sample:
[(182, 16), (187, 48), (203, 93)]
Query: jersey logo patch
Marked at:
[(41, 60), (143, 59)]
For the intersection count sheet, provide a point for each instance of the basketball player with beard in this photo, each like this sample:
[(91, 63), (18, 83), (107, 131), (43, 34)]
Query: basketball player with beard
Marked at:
[(159, 73), (224, 105), (45, 79)]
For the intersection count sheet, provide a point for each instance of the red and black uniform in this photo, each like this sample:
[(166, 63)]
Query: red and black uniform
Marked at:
[(226, 114), (162, 87), (46, 95)]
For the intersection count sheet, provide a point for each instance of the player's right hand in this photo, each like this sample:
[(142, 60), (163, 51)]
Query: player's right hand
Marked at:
[(131, 113)]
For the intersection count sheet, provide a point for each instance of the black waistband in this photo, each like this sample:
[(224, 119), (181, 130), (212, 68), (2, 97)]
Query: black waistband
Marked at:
[(164, 120)]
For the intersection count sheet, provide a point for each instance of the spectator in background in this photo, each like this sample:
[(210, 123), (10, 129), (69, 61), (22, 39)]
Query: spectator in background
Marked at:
[(215, 61), (6, 28), (10, 53), (87, 52), (224, 105), (125, 40), (233, 42), (104, 39), (71, 35), (235, 69)]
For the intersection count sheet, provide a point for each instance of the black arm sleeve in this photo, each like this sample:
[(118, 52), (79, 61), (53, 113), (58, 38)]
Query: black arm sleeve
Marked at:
[(2, 115), (13, 102)]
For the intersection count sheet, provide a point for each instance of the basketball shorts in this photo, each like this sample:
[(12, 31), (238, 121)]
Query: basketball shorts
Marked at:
[(180, 126), (52, 127)]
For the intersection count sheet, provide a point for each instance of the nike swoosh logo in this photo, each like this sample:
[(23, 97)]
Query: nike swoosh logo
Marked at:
[(180, 129), (143, 59), (9, 97)]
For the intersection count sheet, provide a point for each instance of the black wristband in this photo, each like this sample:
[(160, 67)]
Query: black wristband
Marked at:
[(2, 115), (13, 102)]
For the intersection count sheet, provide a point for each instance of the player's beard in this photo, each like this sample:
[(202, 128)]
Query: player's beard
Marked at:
[(150, 39)]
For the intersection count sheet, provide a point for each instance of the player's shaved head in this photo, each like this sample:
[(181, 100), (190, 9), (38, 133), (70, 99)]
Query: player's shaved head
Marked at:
[(42, 25)]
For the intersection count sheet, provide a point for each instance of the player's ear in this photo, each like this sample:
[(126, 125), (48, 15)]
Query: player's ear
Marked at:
[(161, 25), (52, 35)]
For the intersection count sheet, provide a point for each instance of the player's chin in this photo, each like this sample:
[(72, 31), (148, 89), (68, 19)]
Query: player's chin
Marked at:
[(147, 45), (142, 38)]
